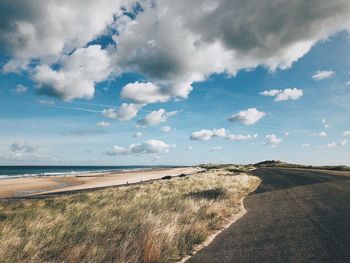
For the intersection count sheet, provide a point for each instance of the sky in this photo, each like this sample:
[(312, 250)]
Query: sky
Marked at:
[(174, 82)]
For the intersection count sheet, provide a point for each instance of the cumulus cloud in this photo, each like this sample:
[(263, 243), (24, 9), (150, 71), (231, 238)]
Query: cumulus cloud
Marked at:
[(206, 135), (23, 147), (77, 76), (282, 95), (138, 135), (320, 134), (156, 117), (44, 29), (166, 129), (149, 146), (346, 133), (247, 117), (271, 92), (241, 34), (144, 93), (20, 89), (273, 140), (202, 135), (124, 113), (166, 42), (103, 124), (322, 74)]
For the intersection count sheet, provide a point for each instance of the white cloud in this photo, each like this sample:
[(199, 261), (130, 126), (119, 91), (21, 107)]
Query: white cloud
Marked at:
[(335, 144), (23, 147), (247, 117), (289, 94), (343, 142), (271, 92), (348, 83), (167, 43), (206, 135), (221, 133), (282, 95), (320, 134), (77, 76), (305, 145), (323, 74), (144, 93), (156, 117), (46, 29), (239, 34), (331, 145), (325, 124), (346, 133), (273, 140), (103, 124), (286, 134), (202, 135), (149, 146), (138, 135), (190, 148), (124, 113), (240, 137), (166, 129), (20, 89), (215, 148)]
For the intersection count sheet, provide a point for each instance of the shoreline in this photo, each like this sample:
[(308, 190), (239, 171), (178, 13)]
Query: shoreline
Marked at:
[(32, 186)]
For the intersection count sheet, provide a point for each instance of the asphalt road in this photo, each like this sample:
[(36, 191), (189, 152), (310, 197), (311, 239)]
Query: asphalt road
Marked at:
[(294, 216)]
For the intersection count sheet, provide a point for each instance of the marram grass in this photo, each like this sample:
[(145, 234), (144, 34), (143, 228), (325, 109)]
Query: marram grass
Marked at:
[(155, 222)]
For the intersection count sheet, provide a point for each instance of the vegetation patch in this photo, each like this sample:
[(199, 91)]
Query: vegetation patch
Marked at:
[(155, 222)]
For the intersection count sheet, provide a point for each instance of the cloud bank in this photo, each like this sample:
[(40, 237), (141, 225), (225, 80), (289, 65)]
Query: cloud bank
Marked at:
[(165, 41)]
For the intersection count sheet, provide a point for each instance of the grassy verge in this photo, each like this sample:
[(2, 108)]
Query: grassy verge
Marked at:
[(156, 222)]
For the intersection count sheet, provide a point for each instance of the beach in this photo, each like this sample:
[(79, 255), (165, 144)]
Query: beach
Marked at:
[(18, 187)]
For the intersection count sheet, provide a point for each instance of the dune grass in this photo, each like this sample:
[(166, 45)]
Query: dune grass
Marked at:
[(154, 222)]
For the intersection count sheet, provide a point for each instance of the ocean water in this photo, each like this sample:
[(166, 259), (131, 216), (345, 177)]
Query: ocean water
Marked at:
[(32, 171)]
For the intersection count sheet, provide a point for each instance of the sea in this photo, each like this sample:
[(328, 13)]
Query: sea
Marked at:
[(7, 172)]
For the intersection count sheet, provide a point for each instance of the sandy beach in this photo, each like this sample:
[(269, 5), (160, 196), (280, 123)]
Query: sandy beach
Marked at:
[(54, 184)]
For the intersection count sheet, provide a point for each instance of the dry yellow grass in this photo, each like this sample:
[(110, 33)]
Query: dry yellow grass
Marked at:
[(156, 222)]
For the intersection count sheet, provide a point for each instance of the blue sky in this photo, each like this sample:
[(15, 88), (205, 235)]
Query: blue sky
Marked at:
[(57, 121)]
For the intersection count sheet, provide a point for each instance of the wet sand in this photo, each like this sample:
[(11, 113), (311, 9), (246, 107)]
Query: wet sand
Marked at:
[(55, 184)]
